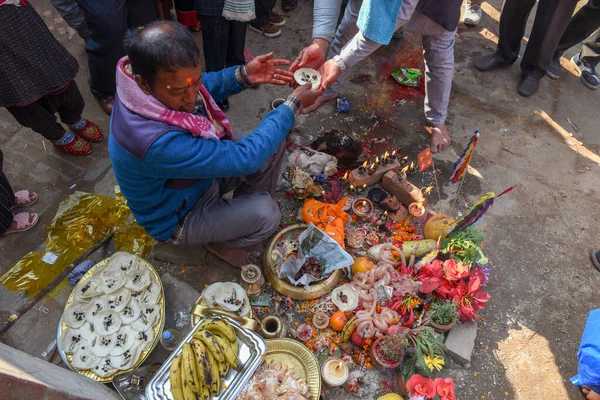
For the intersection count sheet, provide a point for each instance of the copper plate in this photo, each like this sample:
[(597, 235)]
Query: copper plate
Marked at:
[(283, 286), (158, 327), (295, 355)]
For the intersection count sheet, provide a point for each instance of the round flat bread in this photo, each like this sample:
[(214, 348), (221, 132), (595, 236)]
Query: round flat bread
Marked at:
[(87, 331), (107, 322), (89, 288), (83, 358), (147, 319), (127, 359), (103, 345), (74, 315), (138, 280), (112, 281), (302, 76), (130, 312), (125, 340), (123, 262), (97, 305), (78, 299), (119, 299), (144, 338), (70, 340), (104, 368), (151, 294)]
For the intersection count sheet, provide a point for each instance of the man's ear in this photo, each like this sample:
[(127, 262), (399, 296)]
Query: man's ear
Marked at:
[(142, 84)]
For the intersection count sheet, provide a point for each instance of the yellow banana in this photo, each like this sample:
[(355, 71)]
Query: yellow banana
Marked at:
[(188, 365), (230, 355), (175, 378), (222, 326), (214, 371), (204, 369), (209, 341)]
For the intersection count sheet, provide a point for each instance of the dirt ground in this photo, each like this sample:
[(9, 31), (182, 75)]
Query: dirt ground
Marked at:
[(537, 237)]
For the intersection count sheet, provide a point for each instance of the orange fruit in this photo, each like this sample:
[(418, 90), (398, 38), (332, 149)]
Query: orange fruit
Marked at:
[(361, 264), (337, 321)]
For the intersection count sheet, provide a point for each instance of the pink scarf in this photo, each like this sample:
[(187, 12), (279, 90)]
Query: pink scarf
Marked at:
[(132, 96)]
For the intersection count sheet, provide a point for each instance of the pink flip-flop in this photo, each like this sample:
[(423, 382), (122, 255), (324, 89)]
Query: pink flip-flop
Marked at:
[(24, 222), (22, 198)]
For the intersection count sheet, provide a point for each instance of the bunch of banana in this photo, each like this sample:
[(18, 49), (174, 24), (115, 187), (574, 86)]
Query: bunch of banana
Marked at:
[(349, 328), (196, 373)]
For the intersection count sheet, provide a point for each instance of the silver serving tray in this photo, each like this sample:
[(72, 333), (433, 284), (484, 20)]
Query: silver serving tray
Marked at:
[(251, 351)]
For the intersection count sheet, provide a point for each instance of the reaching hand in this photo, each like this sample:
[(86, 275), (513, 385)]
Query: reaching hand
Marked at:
[(262, 69), (306, 95), (312, 56), (331, 73)]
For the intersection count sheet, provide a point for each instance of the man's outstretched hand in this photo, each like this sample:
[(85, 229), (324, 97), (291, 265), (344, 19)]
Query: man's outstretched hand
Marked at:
[(331, 72), (312, 56), (306, 95), (263, 69)]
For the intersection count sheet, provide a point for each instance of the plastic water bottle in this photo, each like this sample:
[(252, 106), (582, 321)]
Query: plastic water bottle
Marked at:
[(170, 339)]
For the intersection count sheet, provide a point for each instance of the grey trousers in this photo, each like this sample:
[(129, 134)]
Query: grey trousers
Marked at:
[(244, 221), (438, 52)]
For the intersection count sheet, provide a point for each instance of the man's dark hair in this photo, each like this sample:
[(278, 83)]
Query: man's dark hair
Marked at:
[(160, 46)]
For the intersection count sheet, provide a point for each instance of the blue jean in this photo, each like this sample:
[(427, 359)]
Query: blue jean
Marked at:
[(107, 21)]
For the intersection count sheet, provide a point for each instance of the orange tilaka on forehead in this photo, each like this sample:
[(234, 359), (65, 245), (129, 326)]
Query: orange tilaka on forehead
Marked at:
[(189, 81)]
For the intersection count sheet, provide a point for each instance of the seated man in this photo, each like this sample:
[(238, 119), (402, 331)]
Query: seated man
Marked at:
[(172, 149)]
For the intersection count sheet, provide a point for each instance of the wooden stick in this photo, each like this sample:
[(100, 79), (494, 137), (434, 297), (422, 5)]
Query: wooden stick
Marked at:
[(462, 179), (438, 187), (6, 325)]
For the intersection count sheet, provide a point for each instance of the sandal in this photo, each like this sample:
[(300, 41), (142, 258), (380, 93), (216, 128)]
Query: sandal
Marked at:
[(594, 259), (23, 222), (77, 147), (90, 132), (23, 198)]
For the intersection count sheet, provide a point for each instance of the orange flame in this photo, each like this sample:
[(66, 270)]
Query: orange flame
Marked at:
[(404, 169), (393, 153), (346, 175), (386, 155), (365, 164), (377, 160), (372, 167), (427, 190), (412, 165)]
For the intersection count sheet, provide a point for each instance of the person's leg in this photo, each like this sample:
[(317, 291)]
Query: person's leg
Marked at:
[(187, 14), (262, 23), (107, 23), (7, 200), (73, 16), (590, 51), (140, 12), (215, 31), (69, 105), (40, 117), (582, 25), (236, 41), (513, 21), (551, 20)]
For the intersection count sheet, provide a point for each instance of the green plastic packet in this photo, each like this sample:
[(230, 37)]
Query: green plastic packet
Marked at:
[(407, 76)]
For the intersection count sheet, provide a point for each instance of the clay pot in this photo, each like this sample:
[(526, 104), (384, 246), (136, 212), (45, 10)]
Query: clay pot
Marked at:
[(442, 328), (378, 358)]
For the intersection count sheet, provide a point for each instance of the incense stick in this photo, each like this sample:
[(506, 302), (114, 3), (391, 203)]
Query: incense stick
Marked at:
[(438, 186)]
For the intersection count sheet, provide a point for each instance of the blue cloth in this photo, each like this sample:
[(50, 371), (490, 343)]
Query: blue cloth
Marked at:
[(589, 354), (79, 271), (163, 171), (377, 19)]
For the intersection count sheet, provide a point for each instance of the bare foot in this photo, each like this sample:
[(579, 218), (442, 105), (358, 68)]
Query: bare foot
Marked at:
[(440, 139), (235, 257), (320, 100)]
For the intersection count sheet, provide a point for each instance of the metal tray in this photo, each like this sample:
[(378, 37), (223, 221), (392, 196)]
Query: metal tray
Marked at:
[(252, 349), (158, 327)]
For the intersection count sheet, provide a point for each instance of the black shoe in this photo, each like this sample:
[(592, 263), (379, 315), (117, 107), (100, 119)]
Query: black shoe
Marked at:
[(288, 5), (223, 104), (528, 86), (489, 63), (554, 69)]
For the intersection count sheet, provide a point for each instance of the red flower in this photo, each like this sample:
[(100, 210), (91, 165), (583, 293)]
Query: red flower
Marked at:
[(470, 296), (455, 270), (419, 385), (430, 275), (445, 388)]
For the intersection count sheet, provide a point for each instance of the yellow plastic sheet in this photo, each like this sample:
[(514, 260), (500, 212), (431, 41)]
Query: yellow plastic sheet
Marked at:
[(82, 220)]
